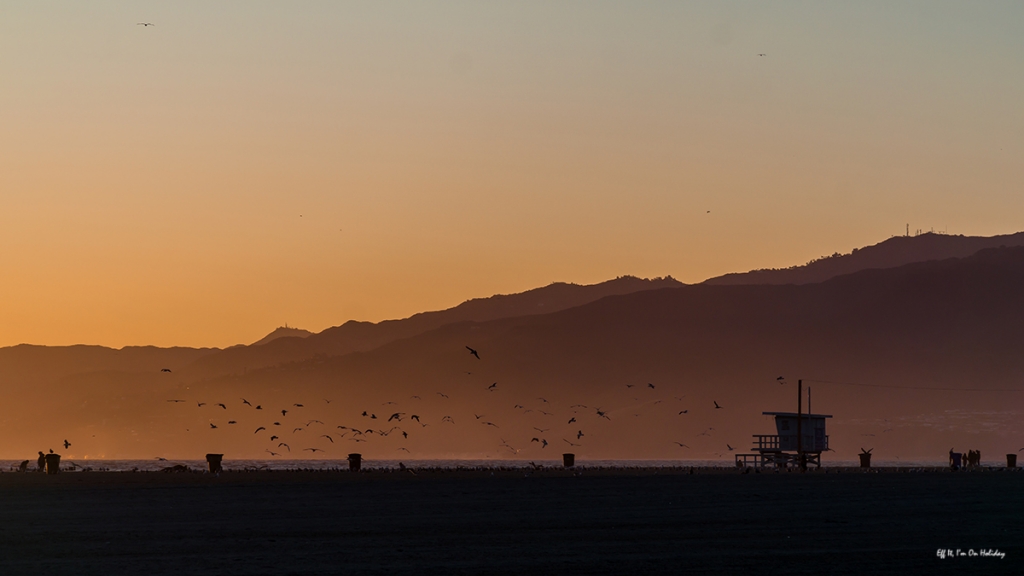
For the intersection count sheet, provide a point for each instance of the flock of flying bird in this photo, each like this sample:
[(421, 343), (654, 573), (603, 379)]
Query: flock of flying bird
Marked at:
[(283, 432)]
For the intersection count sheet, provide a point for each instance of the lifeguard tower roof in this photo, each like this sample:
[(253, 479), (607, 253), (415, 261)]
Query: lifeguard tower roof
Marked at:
[(794, 414)]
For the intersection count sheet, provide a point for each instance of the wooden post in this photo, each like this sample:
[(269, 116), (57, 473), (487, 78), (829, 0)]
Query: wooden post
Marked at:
[(799, 423)]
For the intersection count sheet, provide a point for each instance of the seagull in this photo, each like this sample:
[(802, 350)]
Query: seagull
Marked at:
[(473, 352), (244, 401), (492, 387), (284, 412), (175, 400), (651, 386), (762, 54), (517, 406), (364, 413), (578, 406), (415, 417), (396, 416), (781, 380), (145, 24), (67, 444), (165, 369), (717, 407), (314, 450), (681, 445), (277, 423), (212, 426), (201, 404), (285, 445), (258, 429), (222, 406), (630, 385), (571, 420), (542, 400), (543, 443), (602, 414), (259, 407), (478, 416), (272, 438), (570, 443), (232, 422), (541, 430), (579, 434), (442, 395), (684, 411), (405, 434), (298, 405), (545, 413), (328, 437), (313, 422), (296, 430), (729, 447), (490, 424), (272, 453), (448, 419), (406, 449)]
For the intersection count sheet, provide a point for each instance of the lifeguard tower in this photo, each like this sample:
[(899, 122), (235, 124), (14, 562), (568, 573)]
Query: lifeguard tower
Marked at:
[(799, 440)]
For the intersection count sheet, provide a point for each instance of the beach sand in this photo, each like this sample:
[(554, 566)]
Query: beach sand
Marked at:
[(631, 521)]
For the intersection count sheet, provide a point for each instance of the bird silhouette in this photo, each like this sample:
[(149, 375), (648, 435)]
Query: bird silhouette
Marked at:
[(296, 430), (630, 385), (478, 416), (396, 416), (542, 400), (259, 407), (311, 422), (328, 437), (284, 412), (571, 420), (212, 426), (285, 445), (165, 369), (145, 24), (272, 438), (492, 387), (222, 406), (314, 450), (490, 424), (67, 444), (448, 419), (232, 422), (175, 400), (651, 386), (729, 447), (415, 417), (541, 430), (405, 434), (201, 404), (762, 54), (272, 453), (244, 401), (684, 411), (298, 405), (602, 414), (442, 395), (570, 443), (258, 429), (473, 352), (579, 434), (400, 449), (717, 407), (681, 445), (277, 423)]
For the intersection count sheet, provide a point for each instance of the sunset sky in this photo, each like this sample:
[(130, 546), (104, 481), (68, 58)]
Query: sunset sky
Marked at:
[(241, 165)]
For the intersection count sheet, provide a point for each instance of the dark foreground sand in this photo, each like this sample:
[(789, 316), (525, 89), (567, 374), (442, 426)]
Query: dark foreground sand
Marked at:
[(552, 522)]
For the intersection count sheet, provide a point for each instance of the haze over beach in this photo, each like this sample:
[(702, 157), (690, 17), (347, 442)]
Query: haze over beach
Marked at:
[(455, 287)]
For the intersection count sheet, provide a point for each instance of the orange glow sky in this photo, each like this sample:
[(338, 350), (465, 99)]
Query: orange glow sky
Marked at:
[(240, 165)]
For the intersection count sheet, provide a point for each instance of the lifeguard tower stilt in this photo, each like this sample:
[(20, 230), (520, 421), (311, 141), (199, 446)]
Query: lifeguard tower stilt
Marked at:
[(800, 440)]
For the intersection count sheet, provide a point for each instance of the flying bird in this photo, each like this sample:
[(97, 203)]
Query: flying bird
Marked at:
[(284, 412), (762, 54), (681, 445), (406, 449), (145, 24), (717, 407), (259, 407), (571, 420), (448, 419), (478, 416), (630, 385), (272, 453), (684, 411), (729, 447), (272, 438), (415, 417), (232, 422), (212, 426), (67, 444), (165, 369), (201, 404), (296, 430), (542, 400), (570, 443), (442, 395), (579, 434), (314, 450), (473, 352), (492, 387), (541, 430), (651, 386), (396, 416), (175, 400), (244, 401), (405, 434), (313, 422), (602, 414), (258, 429), (490, 424), (285, 445), (222, 406), (298, 405), (277, 423), (328, 437)]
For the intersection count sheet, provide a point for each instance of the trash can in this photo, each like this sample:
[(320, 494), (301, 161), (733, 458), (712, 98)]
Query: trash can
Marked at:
[(1011, 460), (865, 459), (354, 462), (52, 463), (214, 461), (568, 460)]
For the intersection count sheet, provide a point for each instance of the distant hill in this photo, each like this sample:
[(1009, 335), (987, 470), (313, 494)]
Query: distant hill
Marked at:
[(356, 336), (282, 332), (894, 252), (910, 361)]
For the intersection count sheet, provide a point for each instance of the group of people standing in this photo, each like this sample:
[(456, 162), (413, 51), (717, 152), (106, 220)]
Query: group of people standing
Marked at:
[(959, 460)]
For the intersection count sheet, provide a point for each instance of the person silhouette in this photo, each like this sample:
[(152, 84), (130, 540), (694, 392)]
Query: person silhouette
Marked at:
[(41, 463)]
